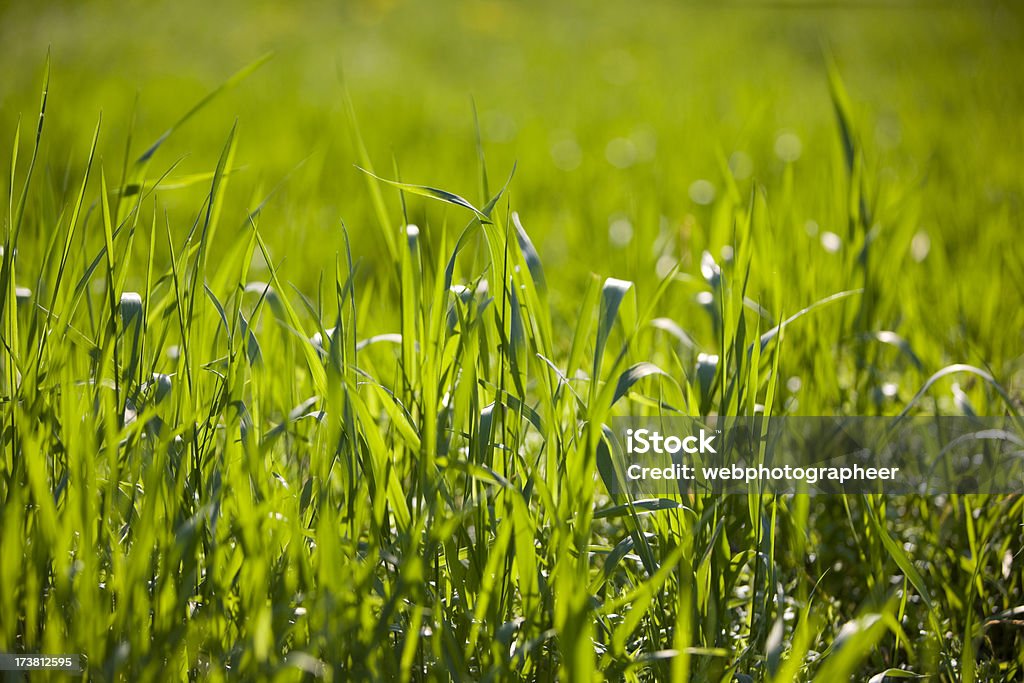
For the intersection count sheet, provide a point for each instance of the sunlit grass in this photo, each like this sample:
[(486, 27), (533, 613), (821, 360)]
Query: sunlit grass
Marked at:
[(383, 457)]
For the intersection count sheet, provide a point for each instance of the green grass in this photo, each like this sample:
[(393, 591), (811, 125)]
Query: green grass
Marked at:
[(257, 425)]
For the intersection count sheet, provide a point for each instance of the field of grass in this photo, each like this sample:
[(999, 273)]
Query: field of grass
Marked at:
[(275, 409)]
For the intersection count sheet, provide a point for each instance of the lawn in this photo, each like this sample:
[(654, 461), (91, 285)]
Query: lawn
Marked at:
[(314, 317)]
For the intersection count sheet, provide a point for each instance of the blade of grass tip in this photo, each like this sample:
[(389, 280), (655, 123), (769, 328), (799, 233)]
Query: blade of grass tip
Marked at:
[(851, 146), (484, 190), (73, 224), (108, 242), (612, 293), (217, 188), (841, 104), (489, 207), (177, 183), (274, 190), (496, 237), (125, 162), (770, 334), (376, 196), (81, 286), (23, 199), (8, 289), (145, 189), (530, 255), (955, 368), (432, 193), (231, 82), (213, 206)]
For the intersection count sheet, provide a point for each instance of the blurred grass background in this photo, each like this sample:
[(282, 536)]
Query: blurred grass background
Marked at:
[(630, 124), (620, 120), (610, 110)]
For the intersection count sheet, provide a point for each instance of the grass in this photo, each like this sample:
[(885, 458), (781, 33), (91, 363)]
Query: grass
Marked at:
[(246, 439)]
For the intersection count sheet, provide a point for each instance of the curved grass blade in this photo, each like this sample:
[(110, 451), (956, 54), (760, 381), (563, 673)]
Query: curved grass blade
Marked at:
[(770, 334), (633, 375), (432, 193), (955, 368), (650, 505), (231, 82), (841, 104), (612, 293), (673, 328), (530, 255), (893, 339)]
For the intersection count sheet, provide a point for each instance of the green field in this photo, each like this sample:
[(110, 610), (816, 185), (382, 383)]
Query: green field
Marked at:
[(275, 408)]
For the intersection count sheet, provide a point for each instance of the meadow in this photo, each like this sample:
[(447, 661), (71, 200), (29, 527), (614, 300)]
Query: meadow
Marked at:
[(314, 316)]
